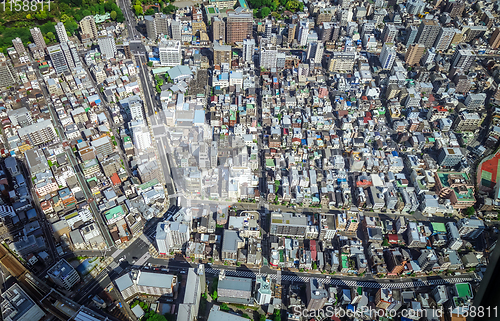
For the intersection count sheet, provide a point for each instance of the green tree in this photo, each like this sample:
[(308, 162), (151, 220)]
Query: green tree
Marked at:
[(149, 12), (469, 211), (169, 9), (264, 12), (138, 10), (262, 317), (51, 36), (113, 15), (385, 242), (150, 64), (214, 295), (314, 266), (224, 307), (277, 315)]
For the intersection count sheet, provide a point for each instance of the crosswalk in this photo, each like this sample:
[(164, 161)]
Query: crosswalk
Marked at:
[(346, 282)]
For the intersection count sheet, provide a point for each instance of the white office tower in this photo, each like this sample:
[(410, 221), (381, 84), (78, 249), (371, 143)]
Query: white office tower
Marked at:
[(107, 46), (58, 59), (315, 51), (248, 49), (136, 111), (303, 32), (62, 35), (387, 56), (140, 135), (444, 39), (428, 57), (267, 58), (169, 52)]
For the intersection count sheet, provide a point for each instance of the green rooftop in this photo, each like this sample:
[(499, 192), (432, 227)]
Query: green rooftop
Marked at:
[(438, 227), (149, 184), (463, 290), (115, 212)]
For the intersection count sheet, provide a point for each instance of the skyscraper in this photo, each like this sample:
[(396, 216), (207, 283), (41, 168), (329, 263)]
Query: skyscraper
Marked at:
[(107, 46), (315, 51), (444, 39), (428, 57), (74, 54), (414, 54), (37, 36), (411, 34), (427, 33), (19, 46), (218, 29), (248, 49), (58, 59), (387, 55), (67, 54), (463, 58), (303, 32), (389, 34), (495, 39), (176, 30), (88, 27), (62, 35), (8, 76), (239, 26)]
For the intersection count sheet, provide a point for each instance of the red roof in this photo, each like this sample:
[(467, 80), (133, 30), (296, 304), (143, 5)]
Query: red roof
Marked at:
[(392, 238), (115, 179)]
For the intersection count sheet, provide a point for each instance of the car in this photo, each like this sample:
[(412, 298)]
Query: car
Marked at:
[(183, 272), (135, 258)]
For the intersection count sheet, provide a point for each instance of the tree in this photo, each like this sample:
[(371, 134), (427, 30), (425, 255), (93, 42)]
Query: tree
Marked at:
[(262, 317), (169, 9), (385, 242), (224, 307), (138, 10), (314, 266), (149, 12), (51, 36), (150, 64), (214, 295), (113, 15), (469, 211), (292, 5), (264, 12), (277, 315)]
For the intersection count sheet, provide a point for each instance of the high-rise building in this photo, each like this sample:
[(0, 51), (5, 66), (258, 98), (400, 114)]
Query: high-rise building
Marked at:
[(169, 52), (67, 55), (88, 27), (239, 26), (325, 31), (176, 30), (463, 57), (268, 30), (387, 55), (74, 54), (58, 59), (315, 51), (415, 7), (303, 32), (428, 57), (19, 46), (37, 36), (455, 8), (291, 32), (222, 54), (316, 294), (389, 34), (248, 49), (171, 236), (63, 274), (126, 50), (38, 133), (62, 35), (450, 156), (414, 53), (495, 39), (427, 32), (107, 46), (8, 76), (267, 58), (444, 39), (218, 30), (411, 34), (335, 32), (341, 62)]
